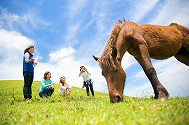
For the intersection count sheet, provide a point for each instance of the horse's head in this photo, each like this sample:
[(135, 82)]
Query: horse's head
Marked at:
[(114, 75)]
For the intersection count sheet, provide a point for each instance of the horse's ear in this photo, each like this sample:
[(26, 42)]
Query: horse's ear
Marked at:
[(114, 52), (96, 58)]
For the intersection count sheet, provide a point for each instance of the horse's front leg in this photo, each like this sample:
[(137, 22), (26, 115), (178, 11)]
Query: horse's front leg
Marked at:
[(144, 59)]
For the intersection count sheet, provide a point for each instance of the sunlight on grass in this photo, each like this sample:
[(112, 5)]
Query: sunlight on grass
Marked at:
[(77, 108)]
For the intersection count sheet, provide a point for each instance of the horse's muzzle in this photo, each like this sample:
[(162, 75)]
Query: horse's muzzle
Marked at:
[(118, 99)]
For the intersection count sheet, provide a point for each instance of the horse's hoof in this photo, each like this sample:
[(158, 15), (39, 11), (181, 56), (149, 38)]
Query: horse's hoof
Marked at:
[(163, 99)]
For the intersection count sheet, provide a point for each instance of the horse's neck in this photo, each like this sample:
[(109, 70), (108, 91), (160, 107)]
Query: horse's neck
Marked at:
[(121, 46), (120, 53), (114, 41)]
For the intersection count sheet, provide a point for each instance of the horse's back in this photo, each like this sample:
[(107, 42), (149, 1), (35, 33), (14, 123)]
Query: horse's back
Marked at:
[(184, 30), (158, 33), (162, 41)]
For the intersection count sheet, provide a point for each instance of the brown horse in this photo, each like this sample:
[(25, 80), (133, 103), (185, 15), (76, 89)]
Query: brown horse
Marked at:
[(143, 41)]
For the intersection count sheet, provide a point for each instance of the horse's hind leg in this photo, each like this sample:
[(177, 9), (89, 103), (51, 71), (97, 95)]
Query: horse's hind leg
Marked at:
[(183, 54), (144, 59)]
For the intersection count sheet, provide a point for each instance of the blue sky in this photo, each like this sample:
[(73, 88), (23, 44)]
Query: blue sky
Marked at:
[(66, 33)]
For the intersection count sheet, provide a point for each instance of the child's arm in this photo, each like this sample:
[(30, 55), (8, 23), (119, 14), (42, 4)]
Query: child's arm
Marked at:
[(88, 72), (62, 87), (55, 83), (83, 86), (42, 83), (80, 73), (52, 85), (26, 55)]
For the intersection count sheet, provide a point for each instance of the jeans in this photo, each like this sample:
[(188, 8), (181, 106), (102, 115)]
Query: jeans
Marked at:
[(28, 79), (46, 92), (88, 84)]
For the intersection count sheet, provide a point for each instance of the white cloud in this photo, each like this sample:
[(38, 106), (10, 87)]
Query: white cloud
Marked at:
[(173, 11), (13, 43), (12, 21), (101, 14), (11, 53), (7, 19), (142, 8), (61, 54), (75, 7), (33, 19), (68, 66), (140, 91), (73, 29), (127, 61), (172, 74), (62, 62)]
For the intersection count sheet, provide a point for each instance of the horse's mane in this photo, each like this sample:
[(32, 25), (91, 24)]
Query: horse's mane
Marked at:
[(106, 57)]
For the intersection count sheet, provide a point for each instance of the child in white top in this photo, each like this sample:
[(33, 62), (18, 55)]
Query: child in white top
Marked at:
[(87, 82), (64, 87)]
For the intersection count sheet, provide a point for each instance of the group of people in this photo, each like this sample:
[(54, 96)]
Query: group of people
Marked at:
[(46, 86)]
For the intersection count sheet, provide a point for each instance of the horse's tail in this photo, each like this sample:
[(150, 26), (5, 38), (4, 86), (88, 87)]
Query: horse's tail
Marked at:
[(184, 30)]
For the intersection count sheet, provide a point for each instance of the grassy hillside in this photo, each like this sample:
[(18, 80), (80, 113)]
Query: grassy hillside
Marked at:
[(79, 109)]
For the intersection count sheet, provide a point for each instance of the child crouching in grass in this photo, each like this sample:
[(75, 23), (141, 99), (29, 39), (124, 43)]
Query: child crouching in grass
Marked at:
[(46, 87), (64, 87)]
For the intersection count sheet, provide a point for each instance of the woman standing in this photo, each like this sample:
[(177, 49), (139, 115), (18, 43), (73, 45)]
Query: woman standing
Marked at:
[(87, 82), (28, 71)]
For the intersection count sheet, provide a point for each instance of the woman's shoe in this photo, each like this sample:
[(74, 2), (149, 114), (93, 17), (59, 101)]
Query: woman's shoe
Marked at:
[(28, 99)]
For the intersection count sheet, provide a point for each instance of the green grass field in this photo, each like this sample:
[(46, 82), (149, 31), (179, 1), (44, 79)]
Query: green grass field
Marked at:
[(77, 108)]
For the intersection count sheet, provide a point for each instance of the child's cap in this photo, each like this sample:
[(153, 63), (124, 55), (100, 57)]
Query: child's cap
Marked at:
[(82, 66), (63, 77)]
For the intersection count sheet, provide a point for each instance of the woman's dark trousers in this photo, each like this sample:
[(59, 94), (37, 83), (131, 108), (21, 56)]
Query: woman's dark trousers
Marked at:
[(46, 92), (28, 79)]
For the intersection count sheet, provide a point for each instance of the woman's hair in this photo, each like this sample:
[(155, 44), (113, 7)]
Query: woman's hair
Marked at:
[(29, 47), (45, 75), (62, 81)]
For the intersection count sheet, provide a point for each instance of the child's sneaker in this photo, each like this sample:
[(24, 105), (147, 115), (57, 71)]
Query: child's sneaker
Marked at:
[(45, 96)]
